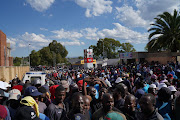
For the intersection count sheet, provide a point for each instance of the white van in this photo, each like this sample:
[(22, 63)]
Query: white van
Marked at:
[(31, 76)]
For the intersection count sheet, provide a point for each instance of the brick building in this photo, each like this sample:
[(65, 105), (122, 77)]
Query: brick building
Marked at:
[(5, 56)]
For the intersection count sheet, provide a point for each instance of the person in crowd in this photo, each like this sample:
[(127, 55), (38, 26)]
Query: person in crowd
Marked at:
[(33, 92), (129, 108), (114, 116), (147, 103), (57, 109), (163, 103), (77, 108), (119, 94), (3, 100), (108, 105), (3, 112), (14, 102)]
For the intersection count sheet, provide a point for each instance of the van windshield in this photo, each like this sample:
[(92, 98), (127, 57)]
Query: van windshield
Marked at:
[(34, 78)]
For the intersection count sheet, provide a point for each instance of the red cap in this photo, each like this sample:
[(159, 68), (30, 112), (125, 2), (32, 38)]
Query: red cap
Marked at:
[(80, 83), (19, 87), (170, 76), (3, 112), (52, 91)]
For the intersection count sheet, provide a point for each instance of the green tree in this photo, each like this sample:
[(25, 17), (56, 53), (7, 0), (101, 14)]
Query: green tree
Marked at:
[(35, 58), (165, 33), (17, 61), (106, 47), (127, 47), (50, 55), (58, 48)]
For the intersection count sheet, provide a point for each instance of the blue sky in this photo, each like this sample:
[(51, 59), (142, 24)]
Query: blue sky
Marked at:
[(77, 24)]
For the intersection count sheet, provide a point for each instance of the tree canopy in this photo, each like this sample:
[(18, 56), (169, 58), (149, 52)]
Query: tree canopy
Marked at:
[(108, 48), (165, 33), (54, 53)]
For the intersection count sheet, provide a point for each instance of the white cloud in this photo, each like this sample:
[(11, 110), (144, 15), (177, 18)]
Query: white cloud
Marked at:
[(90, 33), (151, 8), (62, 34), (32, 37), (12, 42), (130, 17), (122, 33), (40, 5), (21, 45), (141, 13), (72, 43), (95, 7), (43, 29)]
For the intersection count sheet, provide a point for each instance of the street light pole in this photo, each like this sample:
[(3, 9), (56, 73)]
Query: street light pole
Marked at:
[(29, 56)]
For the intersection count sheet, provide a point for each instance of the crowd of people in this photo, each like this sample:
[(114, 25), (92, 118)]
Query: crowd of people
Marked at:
[(124, 92)]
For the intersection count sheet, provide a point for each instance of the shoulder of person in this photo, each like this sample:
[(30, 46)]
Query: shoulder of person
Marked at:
[(159, 117)]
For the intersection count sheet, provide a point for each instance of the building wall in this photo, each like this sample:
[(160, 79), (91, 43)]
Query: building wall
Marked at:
[(3, 47), (8, 73), (10, 61)]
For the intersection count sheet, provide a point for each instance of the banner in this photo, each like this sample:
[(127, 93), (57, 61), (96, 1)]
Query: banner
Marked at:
[(127, 55)]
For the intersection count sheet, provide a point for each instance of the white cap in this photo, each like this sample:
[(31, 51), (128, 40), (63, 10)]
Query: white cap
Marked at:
[(163, 81), (161, 85), (138, 74), (172, 88), (14, 94), (151, 72), (6, 85), (118, 80), (78, 76), (152, 86), (2, 85)]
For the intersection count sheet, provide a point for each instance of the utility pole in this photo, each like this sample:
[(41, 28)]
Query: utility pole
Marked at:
[(29, 56)]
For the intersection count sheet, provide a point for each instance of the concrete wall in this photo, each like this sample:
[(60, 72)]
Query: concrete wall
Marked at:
[(8, 73)]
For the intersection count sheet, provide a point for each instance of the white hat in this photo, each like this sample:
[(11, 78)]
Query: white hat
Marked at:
[(78, 76), (138, 74), (161, 85), (172, 88), (151, 72), (6, 85), (163, 81), (118, 80), (14, 94), (152, 86), (2, 85)]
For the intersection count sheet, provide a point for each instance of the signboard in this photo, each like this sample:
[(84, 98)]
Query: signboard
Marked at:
[(88, 56), (127, 55), (94, 61)]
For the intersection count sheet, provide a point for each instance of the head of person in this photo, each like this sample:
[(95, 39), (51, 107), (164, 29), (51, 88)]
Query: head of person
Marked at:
[(147, 103), (120, 91), (108, 102), (78, 102), (2, 97), (152, 90), (102, 91), (3, 112), (87, 102), (14, 82), (164, 94), (42, 90), (65, 84), (14, 98), (73, 88), (33, 92), (91, 91), (130, 103), (60, 94), (26, 113)]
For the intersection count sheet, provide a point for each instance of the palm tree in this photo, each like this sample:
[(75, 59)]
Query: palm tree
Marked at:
[(165, 33)]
